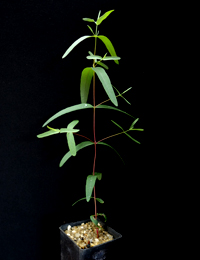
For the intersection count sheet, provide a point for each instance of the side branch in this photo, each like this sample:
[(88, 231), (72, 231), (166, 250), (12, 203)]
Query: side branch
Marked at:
[(84, 137)]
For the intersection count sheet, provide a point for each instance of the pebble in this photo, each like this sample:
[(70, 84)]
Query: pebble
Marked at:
[(69, 227), (85, 235)]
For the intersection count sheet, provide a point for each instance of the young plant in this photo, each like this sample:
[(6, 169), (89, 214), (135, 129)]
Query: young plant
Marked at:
[(87, 76)]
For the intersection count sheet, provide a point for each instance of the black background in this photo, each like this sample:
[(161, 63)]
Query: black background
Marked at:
[(35, 194)]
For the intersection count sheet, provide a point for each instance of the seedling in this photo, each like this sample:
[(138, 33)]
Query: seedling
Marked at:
[(87, 76)]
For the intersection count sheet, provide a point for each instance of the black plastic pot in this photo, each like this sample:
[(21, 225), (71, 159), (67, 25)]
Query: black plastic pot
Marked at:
[(70, 250)]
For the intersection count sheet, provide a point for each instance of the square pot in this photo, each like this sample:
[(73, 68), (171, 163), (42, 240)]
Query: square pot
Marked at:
[(71, 251)]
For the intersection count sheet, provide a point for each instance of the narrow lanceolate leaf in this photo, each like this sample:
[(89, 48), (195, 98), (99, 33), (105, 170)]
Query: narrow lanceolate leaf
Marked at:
[(92, 57), (86, 78), (126, 90), (48, 133), (90, 29), (114, 108), (78, 201), (71, 143), (103, 77), (117, 125), (72, 124), (136, 129), (88, 20), (99, 175), (95, 221), (70, 137), (111, 58), (98, 14), (98, 199), (134, 122), (109, 46), (90, 182), (103, 65), (78, 147), (67, 130), (68, 110), (74, 45), (102, 214), (103, 17), (123, 93), (112, 148), (132, 138)]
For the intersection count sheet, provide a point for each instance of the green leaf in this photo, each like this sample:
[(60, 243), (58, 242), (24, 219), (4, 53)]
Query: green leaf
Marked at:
[(98, 199), (123, 93), (103, 17), (74, 44), (99, 175), (114, 108), (78, 201), (126, 90), (102, 214), (98, 14), (86, 78), (71, 143), (132, 138), (48, 133), (103, 77), (103, 65), (90, 29), (68, 110), (136, 129), (78, 147), (72, 124), (89, 20), (117, 125), (95, 221), (111, 58), (126, 100), (90, 53), (90, 182), (92, 57), (109, 46), (134, 122), (112, 148), (67, 130), (52, 128)]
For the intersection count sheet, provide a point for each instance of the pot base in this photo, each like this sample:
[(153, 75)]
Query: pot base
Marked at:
[(71, 251)]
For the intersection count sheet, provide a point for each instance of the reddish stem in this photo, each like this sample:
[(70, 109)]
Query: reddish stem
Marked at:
[(84, 137), (94, 131), (95, 144), (97, 232)]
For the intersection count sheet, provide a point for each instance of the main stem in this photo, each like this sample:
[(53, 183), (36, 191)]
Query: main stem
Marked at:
[(95, 144), (94, 132)]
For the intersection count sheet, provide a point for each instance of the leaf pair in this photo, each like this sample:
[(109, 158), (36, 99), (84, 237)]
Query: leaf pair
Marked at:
[(97, 57), (95, 221), (79, 107), (69, 131), (131, 128), (120, 94), (86, 78), (53, 131), (81, 146), (98, 199), (104, 39), (99, 19)]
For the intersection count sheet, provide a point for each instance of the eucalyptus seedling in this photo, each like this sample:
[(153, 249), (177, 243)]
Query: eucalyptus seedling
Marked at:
[(98, 67)]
